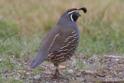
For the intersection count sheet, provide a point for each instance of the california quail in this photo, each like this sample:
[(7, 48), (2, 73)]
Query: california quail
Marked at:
[(61, 42)]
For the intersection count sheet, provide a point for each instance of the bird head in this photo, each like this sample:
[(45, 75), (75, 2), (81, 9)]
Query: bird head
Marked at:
[(72, 15)]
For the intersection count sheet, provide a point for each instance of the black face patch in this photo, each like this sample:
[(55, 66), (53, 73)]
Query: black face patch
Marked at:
[(74, 16)]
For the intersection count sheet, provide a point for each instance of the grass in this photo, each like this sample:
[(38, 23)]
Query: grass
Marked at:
[(101, 38), (22, 24)]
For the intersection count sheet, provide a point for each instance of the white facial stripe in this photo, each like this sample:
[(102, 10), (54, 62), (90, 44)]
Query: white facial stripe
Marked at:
[(71, 12), (71, 18)]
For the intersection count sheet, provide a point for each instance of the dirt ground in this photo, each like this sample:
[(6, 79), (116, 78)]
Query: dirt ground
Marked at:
[(96, 69)]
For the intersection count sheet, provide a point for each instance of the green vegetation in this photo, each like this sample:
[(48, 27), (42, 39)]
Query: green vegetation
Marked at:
[(22, 24), (23, 21)]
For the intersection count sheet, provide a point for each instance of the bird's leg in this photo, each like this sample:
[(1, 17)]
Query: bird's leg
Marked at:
[(57, 74)]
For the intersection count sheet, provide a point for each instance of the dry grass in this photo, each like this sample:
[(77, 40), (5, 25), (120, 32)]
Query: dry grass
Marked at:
[(101, 28), (34, 15)]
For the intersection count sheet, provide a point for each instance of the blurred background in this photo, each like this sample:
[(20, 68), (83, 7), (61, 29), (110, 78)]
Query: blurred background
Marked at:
[(23, 23)]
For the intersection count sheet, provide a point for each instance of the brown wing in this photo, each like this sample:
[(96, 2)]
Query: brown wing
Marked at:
[(47, 44), (54, 40)]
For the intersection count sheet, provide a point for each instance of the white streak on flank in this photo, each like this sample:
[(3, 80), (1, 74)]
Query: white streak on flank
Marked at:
[(53, 41), (73, 32)]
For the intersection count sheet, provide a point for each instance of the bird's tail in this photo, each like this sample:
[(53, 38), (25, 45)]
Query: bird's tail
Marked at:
[(40, 57)]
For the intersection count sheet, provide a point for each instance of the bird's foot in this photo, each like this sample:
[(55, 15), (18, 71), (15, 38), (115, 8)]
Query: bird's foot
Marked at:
[(59, 77)]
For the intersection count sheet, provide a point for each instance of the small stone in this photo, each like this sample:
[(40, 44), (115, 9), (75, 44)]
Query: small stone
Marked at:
[(0, 59), (70, 71), (37, 77), (62, 66), (28, 73)]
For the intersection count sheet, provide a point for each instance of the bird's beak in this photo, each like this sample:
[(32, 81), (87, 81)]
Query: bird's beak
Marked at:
[(78, 14)]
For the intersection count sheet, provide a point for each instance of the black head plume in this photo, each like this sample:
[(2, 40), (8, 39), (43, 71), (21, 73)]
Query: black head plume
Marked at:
[(83, 9)]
